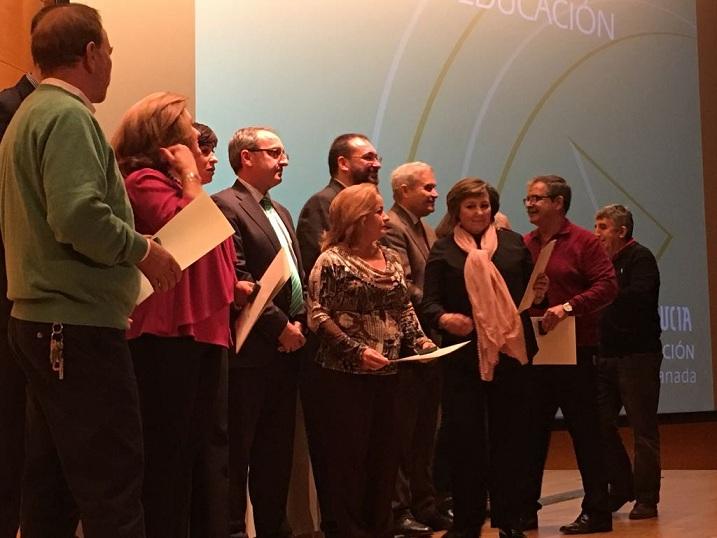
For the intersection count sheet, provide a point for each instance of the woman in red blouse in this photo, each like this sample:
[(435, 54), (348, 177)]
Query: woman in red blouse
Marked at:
[(178, 338)]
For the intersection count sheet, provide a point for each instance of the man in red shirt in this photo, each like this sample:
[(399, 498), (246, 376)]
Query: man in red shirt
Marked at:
[(582, 282)]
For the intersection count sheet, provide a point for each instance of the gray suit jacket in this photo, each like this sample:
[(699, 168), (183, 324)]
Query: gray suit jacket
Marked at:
[(313, 220), (405, 239)]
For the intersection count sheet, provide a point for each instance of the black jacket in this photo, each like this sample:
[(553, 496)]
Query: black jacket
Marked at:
[(631, 324), (444, 287)]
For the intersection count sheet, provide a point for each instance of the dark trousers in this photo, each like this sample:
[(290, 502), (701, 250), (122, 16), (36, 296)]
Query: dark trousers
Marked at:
[(83, 434), (631, 381), (363, 445), (312, 402), (178, 380), (210, 477), (480, 415), (572, 389), (417, 401), (12, 437), (262, 414)]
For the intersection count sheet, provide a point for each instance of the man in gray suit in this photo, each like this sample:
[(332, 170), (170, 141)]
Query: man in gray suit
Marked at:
[(352, 160), (419, 392)]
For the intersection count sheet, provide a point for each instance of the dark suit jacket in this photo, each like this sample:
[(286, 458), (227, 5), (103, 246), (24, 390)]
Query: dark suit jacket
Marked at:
[(444, 287), (10, 100), (405, 239), (256, 246), (313, 220)]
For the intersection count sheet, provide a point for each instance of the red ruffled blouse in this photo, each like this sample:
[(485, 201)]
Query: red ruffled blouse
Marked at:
[(198, 306)]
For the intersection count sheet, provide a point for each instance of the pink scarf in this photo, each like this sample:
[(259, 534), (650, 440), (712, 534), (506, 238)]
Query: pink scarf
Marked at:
[(494, 314)]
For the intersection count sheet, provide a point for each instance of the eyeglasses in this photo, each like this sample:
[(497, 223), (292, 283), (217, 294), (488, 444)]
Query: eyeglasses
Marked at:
[(274, 153), (535, 198), (369, 158)]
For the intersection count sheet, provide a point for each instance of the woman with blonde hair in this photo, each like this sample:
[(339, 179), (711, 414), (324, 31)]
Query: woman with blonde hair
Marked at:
[(476, 274), (361, 310), (178, 338)]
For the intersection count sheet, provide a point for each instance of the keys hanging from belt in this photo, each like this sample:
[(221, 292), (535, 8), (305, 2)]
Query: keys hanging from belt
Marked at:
[(57, 344)]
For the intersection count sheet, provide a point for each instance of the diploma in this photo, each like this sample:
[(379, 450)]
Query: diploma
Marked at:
[(439, 352), (273, 279), (540, 264), (189, 235), (557, 346)]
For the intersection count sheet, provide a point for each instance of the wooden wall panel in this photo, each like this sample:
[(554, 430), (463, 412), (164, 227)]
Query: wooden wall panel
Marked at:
[(15, 58)]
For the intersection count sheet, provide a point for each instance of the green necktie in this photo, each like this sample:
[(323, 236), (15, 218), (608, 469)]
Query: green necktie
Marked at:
[(297, 292)]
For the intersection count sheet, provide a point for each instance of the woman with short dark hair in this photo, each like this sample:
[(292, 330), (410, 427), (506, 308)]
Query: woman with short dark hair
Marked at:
[(476, 274)]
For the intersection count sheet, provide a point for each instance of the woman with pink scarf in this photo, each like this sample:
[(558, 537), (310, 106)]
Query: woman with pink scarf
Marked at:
[(475, 276)]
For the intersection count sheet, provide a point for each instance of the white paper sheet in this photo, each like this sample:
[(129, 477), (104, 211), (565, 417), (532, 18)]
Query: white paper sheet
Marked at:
[(193, 232), (275, 276), (540, 264), (440, 352), (558, 346)]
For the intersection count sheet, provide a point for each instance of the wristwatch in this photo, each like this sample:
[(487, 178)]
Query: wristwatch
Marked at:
[(568, 307)]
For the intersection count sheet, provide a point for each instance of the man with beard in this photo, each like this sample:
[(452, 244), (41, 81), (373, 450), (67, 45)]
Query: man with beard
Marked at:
[(352, 160), (263, 376)]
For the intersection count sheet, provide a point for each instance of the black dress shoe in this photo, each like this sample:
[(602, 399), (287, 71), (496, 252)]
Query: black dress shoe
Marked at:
[(588, 524), (407, 526), (617, 501), (643, 511), (529, 522), (437, 521)]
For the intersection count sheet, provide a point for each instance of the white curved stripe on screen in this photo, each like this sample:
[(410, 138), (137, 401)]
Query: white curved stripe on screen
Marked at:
[(470, 147), (391, 76), (584, 175)]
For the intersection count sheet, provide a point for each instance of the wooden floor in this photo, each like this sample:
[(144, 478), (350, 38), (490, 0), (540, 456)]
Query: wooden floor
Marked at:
[(688, 508)]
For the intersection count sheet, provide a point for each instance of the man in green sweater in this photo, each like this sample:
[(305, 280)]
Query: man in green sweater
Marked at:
[(72, 258)]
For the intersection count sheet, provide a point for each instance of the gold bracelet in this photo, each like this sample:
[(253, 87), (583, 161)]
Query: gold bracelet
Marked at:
[(191, 177)]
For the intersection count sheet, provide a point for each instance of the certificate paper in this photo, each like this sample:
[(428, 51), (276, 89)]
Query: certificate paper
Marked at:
[(540, 264), (440, 352), (193, 232), (275, 276), (558, 346)]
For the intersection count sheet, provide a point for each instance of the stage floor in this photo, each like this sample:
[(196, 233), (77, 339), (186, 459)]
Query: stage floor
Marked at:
[(688, 507)]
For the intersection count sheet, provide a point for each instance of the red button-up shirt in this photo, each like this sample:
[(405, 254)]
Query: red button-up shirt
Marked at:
[(580, 272)]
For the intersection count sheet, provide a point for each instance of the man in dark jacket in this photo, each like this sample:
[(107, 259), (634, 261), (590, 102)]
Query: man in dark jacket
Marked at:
[(12, 381), (629, 365)]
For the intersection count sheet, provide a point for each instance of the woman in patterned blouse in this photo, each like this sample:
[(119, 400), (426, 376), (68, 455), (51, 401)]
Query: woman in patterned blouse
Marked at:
[(360, 308)]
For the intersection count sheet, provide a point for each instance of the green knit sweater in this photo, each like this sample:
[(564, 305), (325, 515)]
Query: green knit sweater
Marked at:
[(67, 224)]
